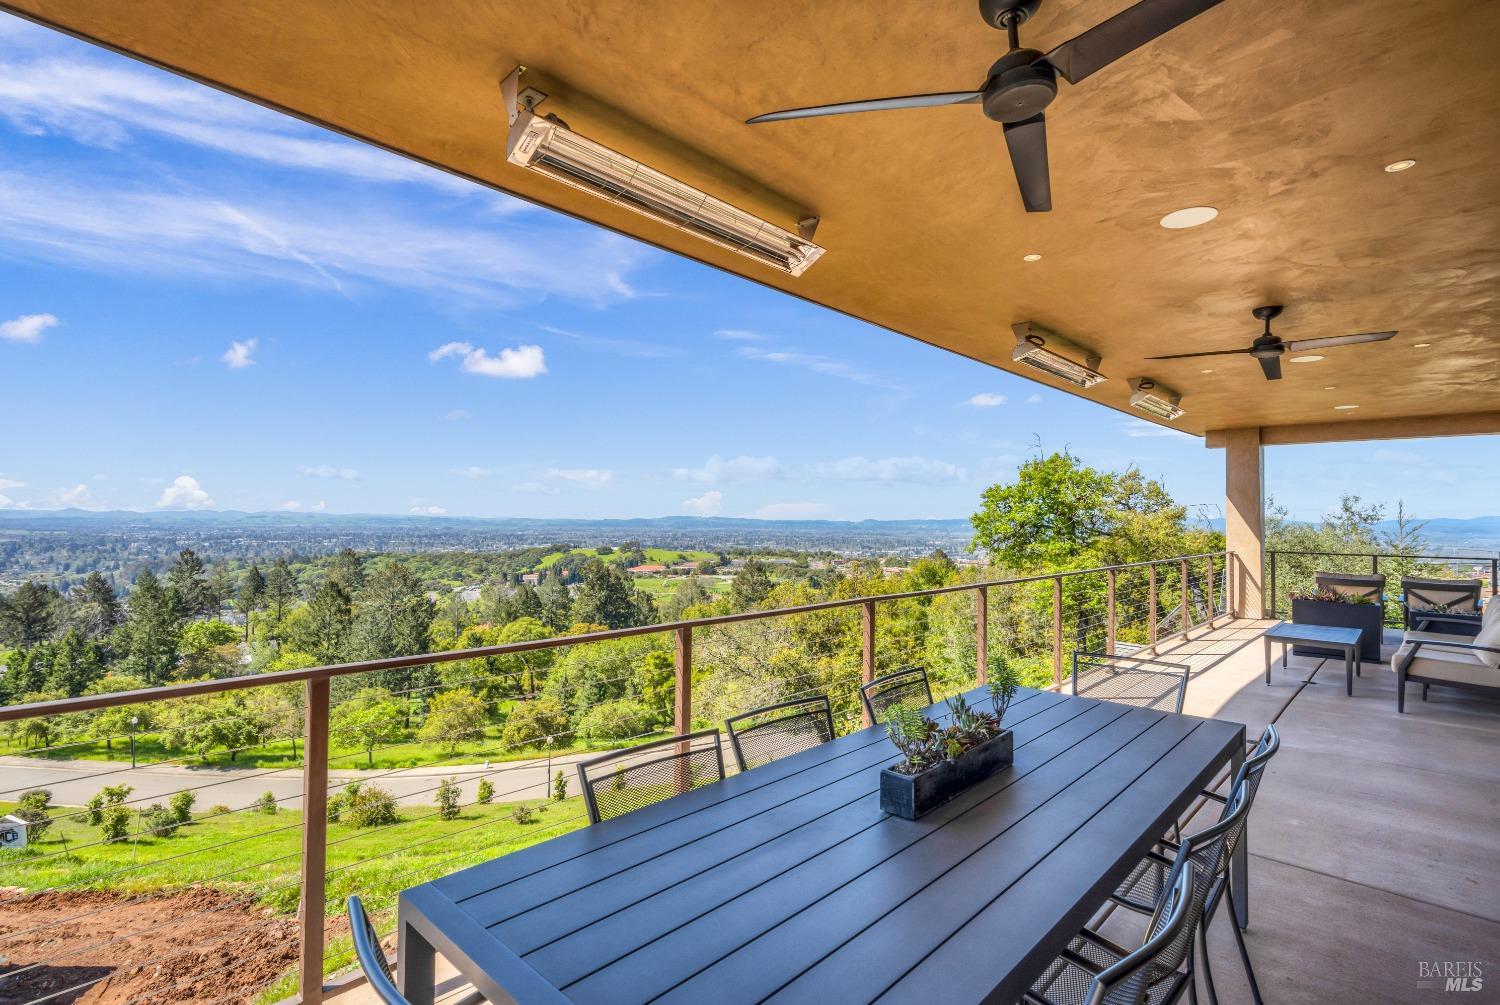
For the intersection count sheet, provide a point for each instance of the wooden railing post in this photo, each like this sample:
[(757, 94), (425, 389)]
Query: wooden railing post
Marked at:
[(1187, 610), (1110, 624), (1151, 603), (866, 649), (982, 634), (314, 840), (1273, 604), (1057, 632), (682, 714), (1211, 608)]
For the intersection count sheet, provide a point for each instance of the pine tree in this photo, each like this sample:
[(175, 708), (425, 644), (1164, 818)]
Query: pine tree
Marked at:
[(281, 589), (557, 603), (251, 595), (186, 582), (348, 568), (751, 586), (152, 636), (30, 615), (96, 609)]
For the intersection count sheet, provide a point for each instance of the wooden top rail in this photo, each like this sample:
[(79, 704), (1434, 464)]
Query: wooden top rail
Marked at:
[(167, 692), (1384, 554)]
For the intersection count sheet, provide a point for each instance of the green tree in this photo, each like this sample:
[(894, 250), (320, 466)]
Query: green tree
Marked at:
[(557, 602), (531, 722), (453, 718), (394, 619), (522, 602), (96, 609), (281, 589), (207, 649), (349, 569), (188, 586), (29, 615), (151, 632), (202, 725), (448, 799), (251, 595), (324, 632), (368, 719), (606, 596), (688, 593), (751, 586)]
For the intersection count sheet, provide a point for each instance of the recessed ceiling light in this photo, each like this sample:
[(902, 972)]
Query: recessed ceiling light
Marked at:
[(1209, 370), (1033, 257), (1344, 408), (1193, 216), (1421, 345), (1396, 167), (1329, 387), (1310, 358)]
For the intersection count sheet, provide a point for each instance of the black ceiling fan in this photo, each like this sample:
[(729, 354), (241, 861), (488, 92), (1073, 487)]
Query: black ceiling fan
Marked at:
[(1268, 349), (1023, 82)]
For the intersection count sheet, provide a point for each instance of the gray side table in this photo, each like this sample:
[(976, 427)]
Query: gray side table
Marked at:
[(1345, 639)]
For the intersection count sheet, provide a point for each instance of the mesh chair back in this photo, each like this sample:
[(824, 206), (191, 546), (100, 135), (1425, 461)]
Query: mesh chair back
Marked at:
[(1131, 680), (377, 969), (1254, 768), (903, 687), (1450, 596), (776, 731), (625, 780), (1349, 585), (1168, 942)]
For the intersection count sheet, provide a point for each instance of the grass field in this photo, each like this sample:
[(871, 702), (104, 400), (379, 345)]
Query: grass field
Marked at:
[(659, 588), (661, 556)]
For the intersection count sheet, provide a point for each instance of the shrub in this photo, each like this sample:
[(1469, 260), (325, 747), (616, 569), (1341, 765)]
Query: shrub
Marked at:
[(95, 808), (486, 793), (32, 807), (560, 786), (159, 821), (339, 801), (531, 722), (447, 799), (114, 822), (370, 806), (267, 803), (182, 806), (522, 814), (616, 720), (218, 809)]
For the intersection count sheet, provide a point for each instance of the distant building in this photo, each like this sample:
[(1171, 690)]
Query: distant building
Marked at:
[(531, 579), (469, 594), (686, 566), (647, 570)]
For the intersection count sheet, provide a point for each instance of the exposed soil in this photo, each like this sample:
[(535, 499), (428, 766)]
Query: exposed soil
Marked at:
[(100, 948)]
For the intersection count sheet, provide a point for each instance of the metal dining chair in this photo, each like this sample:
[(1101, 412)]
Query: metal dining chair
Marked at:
[(1131, 680), (902, 687), (1140, 891), (624, 780), (1096, 971), (374, 965), (767, 734)]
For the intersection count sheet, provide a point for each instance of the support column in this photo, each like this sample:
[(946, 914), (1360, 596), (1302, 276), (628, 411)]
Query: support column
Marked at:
[(1244, 519)]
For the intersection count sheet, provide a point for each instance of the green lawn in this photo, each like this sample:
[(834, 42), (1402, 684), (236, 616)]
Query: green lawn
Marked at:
[(658, 555), (660, 588), (258, 854)]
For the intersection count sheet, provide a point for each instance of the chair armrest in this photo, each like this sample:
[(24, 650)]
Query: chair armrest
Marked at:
[(1444, 643)]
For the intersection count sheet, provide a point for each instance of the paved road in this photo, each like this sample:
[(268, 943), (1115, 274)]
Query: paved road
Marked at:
[(73, 782)]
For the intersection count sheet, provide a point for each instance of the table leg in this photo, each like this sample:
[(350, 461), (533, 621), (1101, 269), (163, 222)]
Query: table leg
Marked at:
[(1286, 655), (416, 972), (1239, 862), (1349, 672), (1267, 640)]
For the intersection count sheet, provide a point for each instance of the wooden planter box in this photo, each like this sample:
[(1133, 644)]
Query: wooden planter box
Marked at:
[(910, 796), (1368, 618)]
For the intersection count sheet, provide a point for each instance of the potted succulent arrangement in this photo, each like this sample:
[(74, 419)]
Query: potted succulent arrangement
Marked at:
[(939, 762), (1340, 610)]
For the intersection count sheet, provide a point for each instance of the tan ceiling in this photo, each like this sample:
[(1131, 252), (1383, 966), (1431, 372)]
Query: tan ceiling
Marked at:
[(1279, 112)]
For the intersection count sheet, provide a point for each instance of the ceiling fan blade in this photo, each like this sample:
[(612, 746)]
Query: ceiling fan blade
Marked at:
[(1027, 142), (1272, 366), (1121, 35), (1304, 344), (872, 105), (1192, 355)]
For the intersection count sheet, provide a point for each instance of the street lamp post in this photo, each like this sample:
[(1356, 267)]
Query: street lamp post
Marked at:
[(135, 721)]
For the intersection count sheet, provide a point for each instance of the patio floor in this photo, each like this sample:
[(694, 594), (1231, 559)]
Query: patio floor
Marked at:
[(1375, 839)]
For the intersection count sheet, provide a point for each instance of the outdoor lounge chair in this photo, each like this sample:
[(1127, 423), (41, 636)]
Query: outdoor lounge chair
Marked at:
[(1445, 605), (623, 780), (1352, 585), (1452, 660), (767, 734)]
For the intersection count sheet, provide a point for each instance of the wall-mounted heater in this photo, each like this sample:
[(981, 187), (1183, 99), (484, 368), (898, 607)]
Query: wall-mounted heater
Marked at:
[(1149, 396), (549, 147), (1044, 350)]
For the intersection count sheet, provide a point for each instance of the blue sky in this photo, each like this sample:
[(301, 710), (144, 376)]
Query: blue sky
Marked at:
[(204, 304)]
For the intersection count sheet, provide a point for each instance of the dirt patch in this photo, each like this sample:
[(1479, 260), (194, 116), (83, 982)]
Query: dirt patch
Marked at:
[(100, 948)]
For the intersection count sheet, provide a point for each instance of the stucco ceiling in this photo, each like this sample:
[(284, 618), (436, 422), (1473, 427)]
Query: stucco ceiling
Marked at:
[(1280, 113)]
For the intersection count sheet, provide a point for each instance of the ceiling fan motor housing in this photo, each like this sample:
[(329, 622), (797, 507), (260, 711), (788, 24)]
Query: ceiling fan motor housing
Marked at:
[(1021, 84)]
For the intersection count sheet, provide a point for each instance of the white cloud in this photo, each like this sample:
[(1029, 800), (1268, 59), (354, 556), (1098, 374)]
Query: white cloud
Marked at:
[(986, 399), (1035, 399), (473, 471), (291, 505), (76, 497), (328, 471), (738, 335), (11, 483), (457, 414), (512, 364), (735, 469), (6, 502), (825, 365), (792, 511), (238, 354), (921, 470), (184, 493), (591, 478), (710, 503), (27, 327), (1141, 429), (428, 511), (319, 506), (616, 346), (238, 234)]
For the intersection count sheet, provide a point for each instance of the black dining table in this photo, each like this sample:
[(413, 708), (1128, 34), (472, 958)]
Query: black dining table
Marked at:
[(787, 883)]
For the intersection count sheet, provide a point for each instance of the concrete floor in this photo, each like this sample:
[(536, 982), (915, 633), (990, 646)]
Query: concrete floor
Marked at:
[(1375, 837)]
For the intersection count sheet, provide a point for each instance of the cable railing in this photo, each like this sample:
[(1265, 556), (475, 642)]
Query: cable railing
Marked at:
[(1292, 571), (296, 849)]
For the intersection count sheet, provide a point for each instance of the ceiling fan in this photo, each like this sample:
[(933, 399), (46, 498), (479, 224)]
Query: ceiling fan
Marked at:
[(1023, 82), (1268, 349)]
